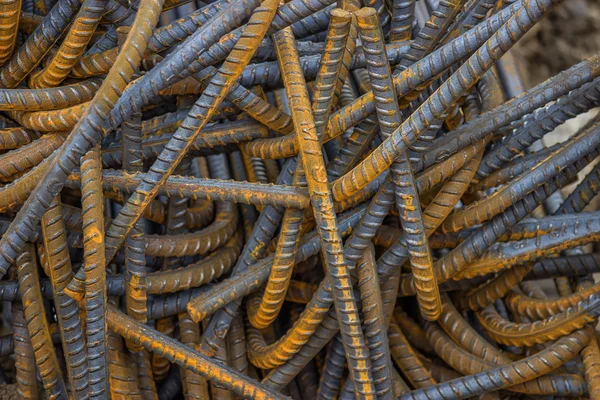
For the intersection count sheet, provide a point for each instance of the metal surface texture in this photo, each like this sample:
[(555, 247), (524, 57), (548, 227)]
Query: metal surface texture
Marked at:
[(306, 199)]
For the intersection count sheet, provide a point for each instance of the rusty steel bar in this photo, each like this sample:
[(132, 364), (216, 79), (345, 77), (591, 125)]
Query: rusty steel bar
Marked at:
[(302, 199)]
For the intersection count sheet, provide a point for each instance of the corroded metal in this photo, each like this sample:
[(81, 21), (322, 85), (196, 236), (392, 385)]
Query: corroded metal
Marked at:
[(302, 199)]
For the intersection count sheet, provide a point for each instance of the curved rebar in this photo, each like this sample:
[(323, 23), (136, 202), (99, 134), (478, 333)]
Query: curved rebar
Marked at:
[(67, 309), (92, 215), (382, 235)]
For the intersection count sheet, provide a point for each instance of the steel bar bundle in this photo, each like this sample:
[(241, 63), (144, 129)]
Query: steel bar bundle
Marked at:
[(306, 199)]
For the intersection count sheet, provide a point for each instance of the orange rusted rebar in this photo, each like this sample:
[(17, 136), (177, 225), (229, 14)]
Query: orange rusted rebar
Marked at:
[(302, 199)]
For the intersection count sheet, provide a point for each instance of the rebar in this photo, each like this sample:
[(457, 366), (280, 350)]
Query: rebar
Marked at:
[(269, 200)]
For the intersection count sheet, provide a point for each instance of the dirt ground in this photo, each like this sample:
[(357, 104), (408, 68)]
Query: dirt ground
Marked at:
[(568, 35), (8, 392)]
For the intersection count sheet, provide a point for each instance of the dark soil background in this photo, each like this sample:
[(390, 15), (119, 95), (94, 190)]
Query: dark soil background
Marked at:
[(568, 35), (8, 392)]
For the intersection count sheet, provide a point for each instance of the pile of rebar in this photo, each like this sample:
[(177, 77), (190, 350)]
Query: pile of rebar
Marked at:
[(303, 199)]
